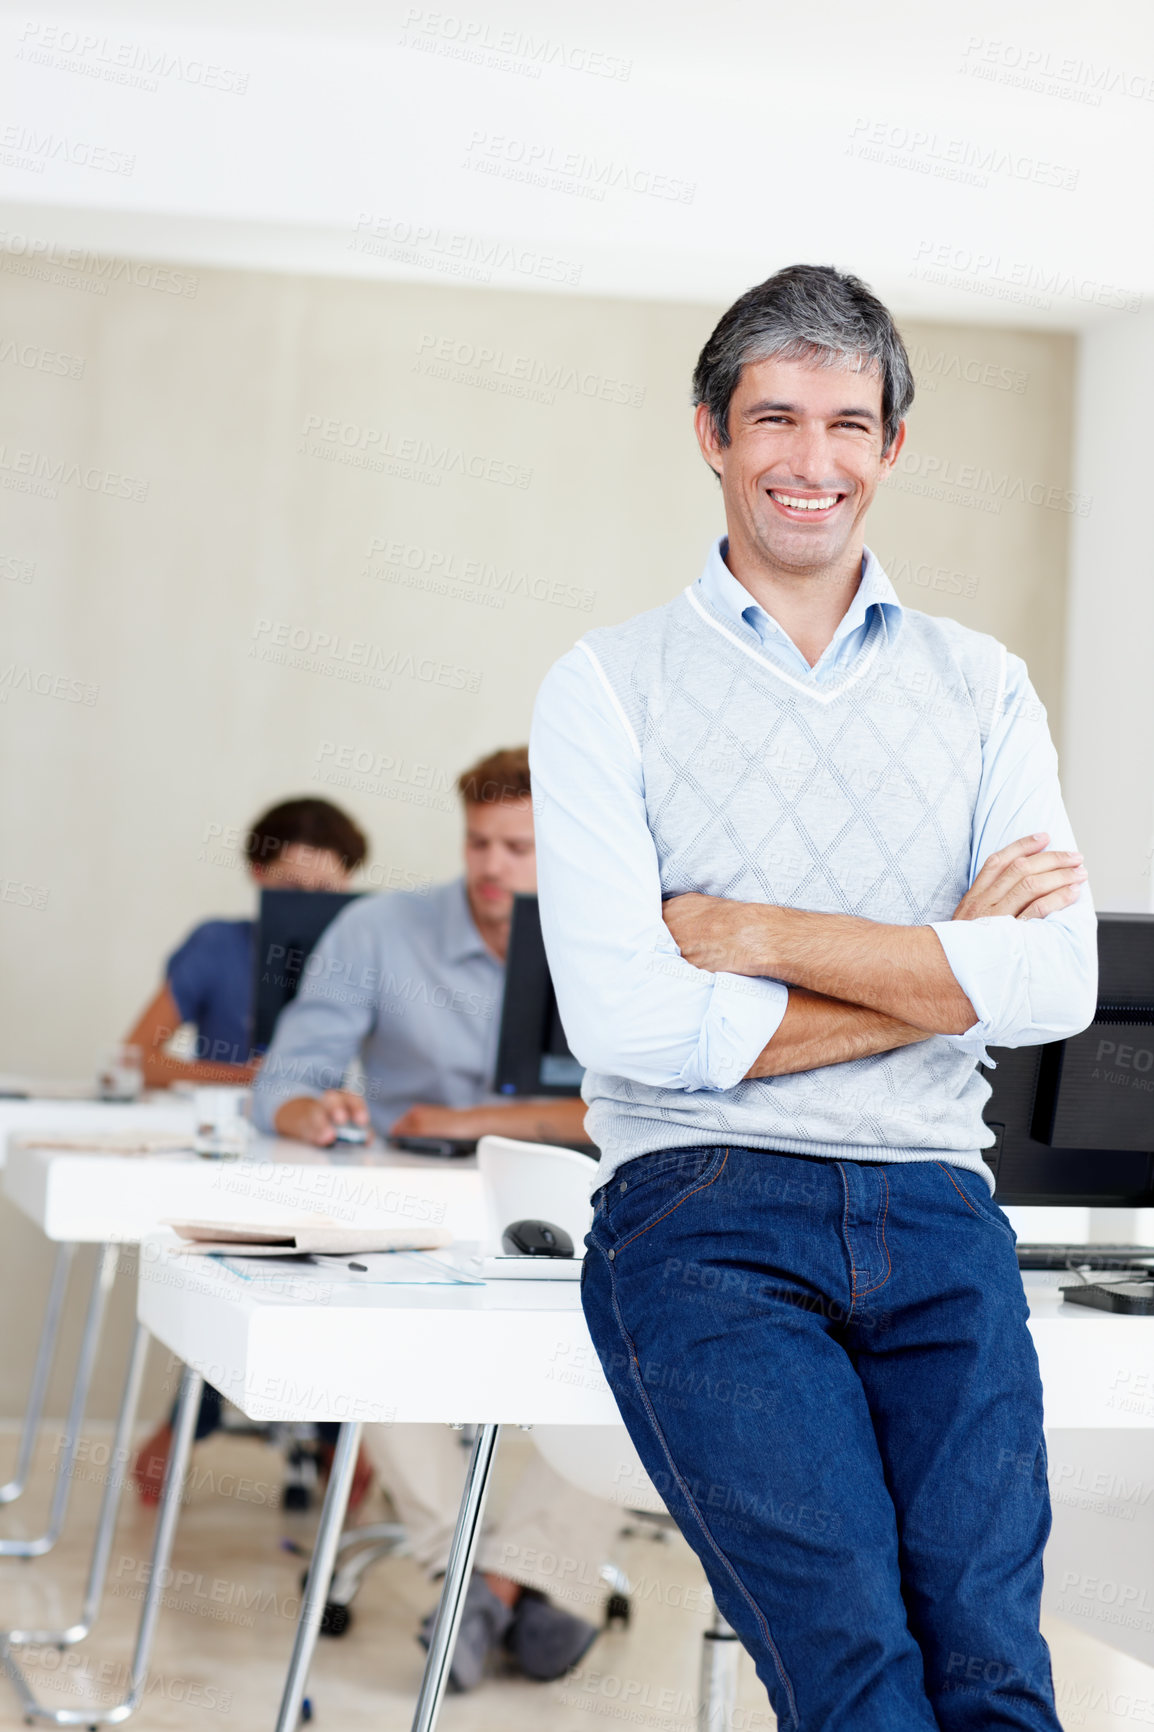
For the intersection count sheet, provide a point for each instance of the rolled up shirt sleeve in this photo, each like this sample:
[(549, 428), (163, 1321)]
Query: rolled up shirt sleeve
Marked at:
[(1029, 981), (630, 1004)]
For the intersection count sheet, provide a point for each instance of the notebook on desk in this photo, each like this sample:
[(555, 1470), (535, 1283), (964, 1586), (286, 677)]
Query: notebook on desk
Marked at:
[(303, 1238)]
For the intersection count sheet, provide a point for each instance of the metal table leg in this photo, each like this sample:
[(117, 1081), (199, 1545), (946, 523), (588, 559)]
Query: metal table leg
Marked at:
[(720, 1653), (109, 1506), (320, 1572), (187, 1408), (45, 1354), (460, 1568), (94, 1318)]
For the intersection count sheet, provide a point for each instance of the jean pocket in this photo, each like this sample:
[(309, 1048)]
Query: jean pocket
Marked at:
[(648, 1188), (974, 1192)]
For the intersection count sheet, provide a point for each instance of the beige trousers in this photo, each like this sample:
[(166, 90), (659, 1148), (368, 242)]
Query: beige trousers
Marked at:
[(550, 1536)]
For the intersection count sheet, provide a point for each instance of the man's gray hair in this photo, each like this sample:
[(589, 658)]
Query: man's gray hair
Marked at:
[(810, 313)]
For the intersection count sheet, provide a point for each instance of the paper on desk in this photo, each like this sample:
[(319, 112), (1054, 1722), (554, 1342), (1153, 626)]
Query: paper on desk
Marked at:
[(384, 1268), (112, 1143), (314, 1234)]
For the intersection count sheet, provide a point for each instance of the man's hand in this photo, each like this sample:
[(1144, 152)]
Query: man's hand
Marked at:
[(720, 936), (1024, 880), (314, 1120), (425, 1121)]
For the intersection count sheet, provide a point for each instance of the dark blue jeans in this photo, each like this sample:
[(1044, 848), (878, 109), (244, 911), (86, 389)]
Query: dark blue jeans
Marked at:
[(826, 1369)]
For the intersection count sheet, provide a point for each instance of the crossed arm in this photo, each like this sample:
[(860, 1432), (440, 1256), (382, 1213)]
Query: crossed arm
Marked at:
[(860, 987)]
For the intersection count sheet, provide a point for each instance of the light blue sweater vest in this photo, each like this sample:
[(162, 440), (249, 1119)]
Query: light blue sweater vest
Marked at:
[(854, 798)]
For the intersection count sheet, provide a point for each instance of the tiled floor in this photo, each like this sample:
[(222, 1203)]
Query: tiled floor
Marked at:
[(224, 1637)]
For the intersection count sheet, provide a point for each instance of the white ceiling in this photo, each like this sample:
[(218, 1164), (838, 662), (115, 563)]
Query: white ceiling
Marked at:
[(987, 162)]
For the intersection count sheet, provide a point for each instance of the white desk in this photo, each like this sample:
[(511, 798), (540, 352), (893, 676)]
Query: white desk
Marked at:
[(97, 1198), (69, 1117), (507, 1353), (308, 1341), (87, 1197)]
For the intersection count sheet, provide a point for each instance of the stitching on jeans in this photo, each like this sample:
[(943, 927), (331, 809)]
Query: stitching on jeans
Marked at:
[(985, 1220), (943, 1168), (848, 1246), (641, 1231), (643, 1394), (880, 1231)]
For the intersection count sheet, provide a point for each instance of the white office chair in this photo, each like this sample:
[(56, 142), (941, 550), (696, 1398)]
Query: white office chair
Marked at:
[(534, 1181), (601, 1460)]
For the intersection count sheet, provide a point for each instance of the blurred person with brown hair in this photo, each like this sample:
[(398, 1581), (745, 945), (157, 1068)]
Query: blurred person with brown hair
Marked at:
[(305, 844)]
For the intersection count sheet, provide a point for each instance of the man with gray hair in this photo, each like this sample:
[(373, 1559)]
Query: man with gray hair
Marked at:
[(802, 855)]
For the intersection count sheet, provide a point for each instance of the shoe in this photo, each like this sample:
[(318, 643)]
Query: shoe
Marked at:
[(484, 1621), (544, 1641), (151, 1461)]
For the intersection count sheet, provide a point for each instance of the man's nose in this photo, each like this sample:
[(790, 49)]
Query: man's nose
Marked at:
[(810, 457)]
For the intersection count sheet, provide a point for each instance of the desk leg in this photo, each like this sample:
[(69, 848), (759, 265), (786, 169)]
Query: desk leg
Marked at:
[(316, 1591), (460, 1568), (102, 1281), (187, 1408), (45, 1354), (109, 1507)]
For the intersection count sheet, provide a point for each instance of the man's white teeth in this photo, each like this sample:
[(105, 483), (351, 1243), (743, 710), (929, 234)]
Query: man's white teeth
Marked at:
[(794, 504)]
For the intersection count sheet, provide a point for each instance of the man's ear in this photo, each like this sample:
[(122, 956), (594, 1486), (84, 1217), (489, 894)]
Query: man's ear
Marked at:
[(891, 456), (706, 429)]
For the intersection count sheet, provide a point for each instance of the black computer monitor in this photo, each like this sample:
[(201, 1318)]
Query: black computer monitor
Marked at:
[(289, 924), (533, 1056), (1074, 1120)]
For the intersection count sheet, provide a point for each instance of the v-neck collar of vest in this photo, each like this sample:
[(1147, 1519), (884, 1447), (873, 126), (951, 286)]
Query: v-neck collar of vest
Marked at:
[(820, 694)]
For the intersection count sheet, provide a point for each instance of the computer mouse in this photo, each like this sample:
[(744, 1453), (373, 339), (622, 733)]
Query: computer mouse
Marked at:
[(536, 1239), (351, 1134)]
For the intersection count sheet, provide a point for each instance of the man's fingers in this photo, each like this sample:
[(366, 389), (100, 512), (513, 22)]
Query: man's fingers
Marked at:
[(321, 1129), (351, 1106), (1036, 885), (1029, 868), (996, 862), (1051, 903)]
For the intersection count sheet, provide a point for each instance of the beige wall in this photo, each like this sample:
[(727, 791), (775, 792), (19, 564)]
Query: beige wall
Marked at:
[(158, 728)]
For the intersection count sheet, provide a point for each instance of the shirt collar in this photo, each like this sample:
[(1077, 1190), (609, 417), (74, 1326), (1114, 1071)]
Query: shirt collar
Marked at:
[(462, 941), (875, 593)]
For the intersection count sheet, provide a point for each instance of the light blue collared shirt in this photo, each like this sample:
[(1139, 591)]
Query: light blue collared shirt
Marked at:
[(405, 983), (874, 608), (678, 1027)]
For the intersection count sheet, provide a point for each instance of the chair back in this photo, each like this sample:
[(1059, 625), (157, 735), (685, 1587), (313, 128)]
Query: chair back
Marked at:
[(599, 1460), (534, 1181)]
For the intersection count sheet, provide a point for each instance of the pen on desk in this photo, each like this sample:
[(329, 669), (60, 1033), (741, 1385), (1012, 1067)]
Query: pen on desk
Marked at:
[(361, 1268)]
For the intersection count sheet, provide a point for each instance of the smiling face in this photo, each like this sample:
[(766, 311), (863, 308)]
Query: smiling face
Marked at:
[(802, 466)]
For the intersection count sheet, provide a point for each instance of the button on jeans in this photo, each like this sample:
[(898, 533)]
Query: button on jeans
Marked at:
[(826, 1369)]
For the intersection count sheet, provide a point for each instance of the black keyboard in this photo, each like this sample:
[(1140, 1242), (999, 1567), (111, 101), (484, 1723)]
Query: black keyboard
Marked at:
[(1085, 1256)]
